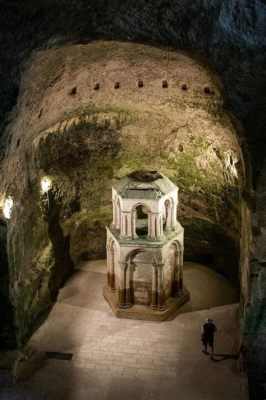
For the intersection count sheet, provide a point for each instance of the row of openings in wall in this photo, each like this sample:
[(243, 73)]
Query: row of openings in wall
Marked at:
[(165, 84)]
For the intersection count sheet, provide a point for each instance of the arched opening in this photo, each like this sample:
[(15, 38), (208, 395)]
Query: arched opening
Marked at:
[(140, 269), (141, 220)]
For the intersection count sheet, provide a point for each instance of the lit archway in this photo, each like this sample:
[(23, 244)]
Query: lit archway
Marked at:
[(141, 215)]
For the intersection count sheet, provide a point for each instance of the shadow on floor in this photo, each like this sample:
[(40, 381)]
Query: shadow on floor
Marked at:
[(225, 357)]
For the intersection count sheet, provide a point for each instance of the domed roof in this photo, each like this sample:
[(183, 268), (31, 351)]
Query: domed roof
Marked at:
[(144, 185)]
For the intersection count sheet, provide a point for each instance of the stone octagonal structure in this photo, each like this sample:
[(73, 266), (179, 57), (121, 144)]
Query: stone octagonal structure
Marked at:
[(145, 245)]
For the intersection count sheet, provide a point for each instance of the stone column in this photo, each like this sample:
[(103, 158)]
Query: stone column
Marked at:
[(133, 223), (181, 271), (131, 271), (161, 226), (152, 226), (108, 265), (157, 227), (118, 217), (154, 293), (129, 225), (112, 269), (161, 297), (126, 224), (121, 224), (114, 213), (176, 291), (174, 205), (168, 222), (149, 225), (123, 230), (122, 286), (128, 295)]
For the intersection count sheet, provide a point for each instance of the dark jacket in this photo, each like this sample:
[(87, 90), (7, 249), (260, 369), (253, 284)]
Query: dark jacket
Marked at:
[(208, 330)]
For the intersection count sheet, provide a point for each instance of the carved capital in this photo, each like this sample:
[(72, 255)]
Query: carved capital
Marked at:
[(122, 265)]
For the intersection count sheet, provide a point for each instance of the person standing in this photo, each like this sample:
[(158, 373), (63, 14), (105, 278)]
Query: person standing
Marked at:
[(207, 336)]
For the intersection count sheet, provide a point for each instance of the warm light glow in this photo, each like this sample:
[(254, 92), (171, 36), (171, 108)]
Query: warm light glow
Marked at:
[(231, 161), (46, 184), (7, 209)]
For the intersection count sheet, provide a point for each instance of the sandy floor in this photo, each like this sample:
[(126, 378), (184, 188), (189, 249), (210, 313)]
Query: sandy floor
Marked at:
[(125, 359)]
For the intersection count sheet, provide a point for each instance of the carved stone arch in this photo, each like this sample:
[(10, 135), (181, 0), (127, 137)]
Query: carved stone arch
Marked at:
[(141, 203), (178, 245), (110, 241)]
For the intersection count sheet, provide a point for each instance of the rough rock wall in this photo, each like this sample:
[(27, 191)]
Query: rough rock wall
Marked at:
[(84, 138), (229, 35), (255, 335)]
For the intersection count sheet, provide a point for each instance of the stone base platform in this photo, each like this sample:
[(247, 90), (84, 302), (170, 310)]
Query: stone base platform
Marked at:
[(144, 312)]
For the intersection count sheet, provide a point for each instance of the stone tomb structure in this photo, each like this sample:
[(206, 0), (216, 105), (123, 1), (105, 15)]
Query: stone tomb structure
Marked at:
[(145, 245)]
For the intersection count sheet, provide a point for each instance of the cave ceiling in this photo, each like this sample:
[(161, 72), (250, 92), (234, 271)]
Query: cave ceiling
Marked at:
[(228, 36)]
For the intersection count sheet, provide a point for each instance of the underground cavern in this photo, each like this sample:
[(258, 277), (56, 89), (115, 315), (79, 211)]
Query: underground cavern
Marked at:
[(85, 106)]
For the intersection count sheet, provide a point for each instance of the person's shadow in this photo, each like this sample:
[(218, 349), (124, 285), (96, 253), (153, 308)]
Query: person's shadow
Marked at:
[(223, 357)]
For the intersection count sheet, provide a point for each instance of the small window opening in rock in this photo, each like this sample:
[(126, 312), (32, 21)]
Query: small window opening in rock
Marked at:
[(182, 209), (96, 86), (231, 160), (184, 86), (165, 84), (40, 113), (73, 91), (207, 90), (200, 191), (140, 83), (117, 85), (18, 142), (180, 148), (10, 139)]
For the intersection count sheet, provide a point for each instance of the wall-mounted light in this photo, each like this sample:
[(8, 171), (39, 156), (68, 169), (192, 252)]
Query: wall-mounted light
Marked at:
[(46, 184), (7, 207), (230, 162)]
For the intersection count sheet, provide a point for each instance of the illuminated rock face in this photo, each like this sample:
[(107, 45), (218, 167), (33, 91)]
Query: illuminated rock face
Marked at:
[(82, 140), (145, 245), (229, 34)]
